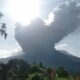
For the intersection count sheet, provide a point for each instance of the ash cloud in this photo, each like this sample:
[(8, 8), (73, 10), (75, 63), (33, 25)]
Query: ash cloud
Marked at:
[(66, 20), (38, 39)]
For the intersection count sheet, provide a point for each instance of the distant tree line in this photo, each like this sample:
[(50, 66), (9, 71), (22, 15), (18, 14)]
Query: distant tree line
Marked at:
[(19, 69)]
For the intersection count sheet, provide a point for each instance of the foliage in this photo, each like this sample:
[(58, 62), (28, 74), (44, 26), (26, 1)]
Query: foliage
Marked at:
[(51, 73), (62, 72), (36, 68), (25, 71), (36, 76), (22, 66), (41, 65)]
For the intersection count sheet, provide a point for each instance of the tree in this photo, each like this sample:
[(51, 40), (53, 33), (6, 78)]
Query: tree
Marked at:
[(36, 68), (36, 76), (41, 65), (22, 66), (62, 72), (3, 28), (51, 74)]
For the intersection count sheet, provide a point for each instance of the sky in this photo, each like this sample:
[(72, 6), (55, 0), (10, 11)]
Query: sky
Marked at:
[(10, 46)]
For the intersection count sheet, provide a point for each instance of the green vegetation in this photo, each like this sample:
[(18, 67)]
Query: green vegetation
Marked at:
[(18, 69)]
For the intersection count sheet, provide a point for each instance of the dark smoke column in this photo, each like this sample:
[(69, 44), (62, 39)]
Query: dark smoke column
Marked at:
[(37, 39)]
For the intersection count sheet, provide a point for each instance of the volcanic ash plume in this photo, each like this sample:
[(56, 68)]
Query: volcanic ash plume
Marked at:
[(38, 39)]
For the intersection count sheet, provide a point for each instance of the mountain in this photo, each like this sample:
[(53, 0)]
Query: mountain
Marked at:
[(55, 59)]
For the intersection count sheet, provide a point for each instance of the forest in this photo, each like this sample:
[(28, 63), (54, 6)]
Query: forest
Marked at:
[(19, 69)]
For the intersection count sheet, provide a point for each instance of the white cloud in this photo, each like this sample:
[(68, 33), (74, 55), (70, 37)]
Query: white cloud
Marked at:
[(50, 18), (61, 46), (9, 53)]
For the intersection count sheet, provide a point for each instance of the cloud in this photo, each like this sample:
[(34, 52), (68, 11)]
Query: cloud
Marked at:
[(9, 53), (61, 46), (50, 19), (4, 54)]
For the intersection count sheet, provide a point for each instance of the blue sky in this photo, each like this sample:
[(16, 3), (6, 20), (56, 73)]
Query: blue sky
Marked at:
[(9, 46)]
